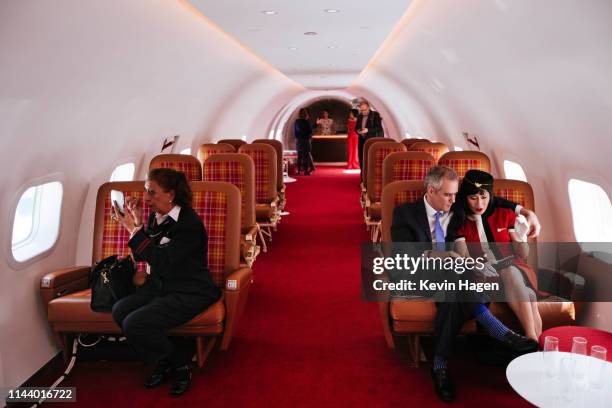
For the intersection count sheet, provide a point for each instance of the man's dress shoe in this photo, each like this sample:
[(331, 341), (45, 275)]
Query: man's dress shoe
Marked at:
[(182, 381), (443, 385), (159, 375), (519, 343)]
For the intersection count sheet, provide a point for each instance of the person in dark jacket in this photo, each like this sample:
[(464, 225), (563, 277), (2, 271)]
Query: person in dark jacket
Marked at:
[(369, 125), (179, 286), (303, 133)]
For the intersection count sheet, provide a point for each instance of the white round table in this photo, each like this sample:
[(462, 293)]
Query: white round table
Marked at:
[(527, 376)]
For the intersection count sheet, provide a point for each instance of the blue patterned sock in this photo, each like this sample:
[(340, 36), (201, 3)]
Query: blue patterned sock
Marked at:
[(439, 362), (492, 325)]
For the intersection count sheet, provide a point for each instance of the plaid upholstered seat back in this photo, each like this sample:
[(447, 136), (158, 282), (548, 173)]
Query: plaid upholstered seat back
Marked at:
[(376, 155), (366, 148), (461, 162), (434, 148), (110, 238), (394, 194), (238, 169), (218, 205), (278, 147), (410, 142), (180, 162), (264, 159), (236, 143), (208, 149), (406, 166)]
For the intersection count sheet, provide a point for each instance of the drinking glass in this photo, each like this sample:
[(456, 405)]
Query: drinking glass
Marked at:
[(551, 355), (597, 366), (579, 347), (566, 384)]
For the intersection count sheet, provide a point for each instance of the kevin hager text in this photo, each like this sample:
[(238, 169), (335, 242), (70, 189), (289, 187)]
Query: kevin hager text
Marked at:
[(427, 285)]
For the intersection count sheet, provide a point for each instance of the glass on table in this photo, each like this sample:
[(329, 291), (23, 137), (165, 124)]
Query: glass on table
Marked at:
[(579, 347), (551, 355), (597, 366)]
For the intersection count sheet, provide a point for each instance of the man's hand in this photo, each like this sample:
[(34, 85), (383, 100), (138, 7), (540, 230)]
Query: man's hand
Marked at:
[(534, 223)]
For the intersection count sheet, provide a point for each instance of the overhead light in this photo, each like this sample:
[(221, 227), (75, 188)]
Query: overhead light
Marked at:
[(269, 12), (331, 47), (310, 33), (332, 65), (293, 48), (331, 11)]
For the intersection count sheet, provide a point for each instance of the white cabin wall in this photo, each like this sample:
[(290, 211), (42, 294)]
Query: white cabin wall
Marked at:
[(86, 86), (530, 79)]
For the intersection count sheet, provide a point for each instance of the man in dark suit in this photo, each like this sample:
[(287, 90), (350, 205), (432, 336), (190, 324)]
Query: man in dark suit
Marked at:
[(369, 125), (434, 219)]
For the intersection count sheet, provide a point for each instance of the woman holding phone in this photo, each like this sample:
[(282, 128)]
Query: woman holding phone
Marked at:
[(485, 222), (174, 244)]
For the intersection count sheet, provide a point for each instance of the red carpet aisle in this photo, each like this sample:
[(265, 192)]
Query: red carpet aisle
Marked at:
[(306, 338)]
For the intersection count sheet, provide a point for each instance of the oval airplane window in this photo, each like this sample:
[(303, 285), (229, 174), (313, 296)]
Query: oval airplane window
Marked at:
[(124, 172), (591, 212), (514, 171), (37, 220)]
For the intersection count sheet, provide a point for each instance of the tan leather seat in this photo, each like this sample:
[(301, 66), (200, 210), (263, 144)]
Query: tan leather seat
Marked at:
[(377, 153), (461, 162), (266, 193), (180, 162), (234, 142), (238, 169), (280, 183), (415, 317), (66, 295), (436, 149), (208, 149)]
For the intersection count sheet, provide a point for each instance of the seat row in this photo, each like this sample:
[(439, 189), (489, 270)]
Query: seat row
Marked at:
[(386, 161)]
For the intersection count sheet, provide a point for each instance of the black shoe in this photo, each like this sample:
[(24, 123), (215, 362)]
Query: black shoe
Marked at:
[(307, 173), (182, 381), (159, 375), (443, 384), (520, 343)]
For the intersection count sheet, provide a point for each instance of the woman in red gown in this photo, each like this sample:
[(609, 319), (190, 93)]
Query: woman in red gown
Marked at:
[(485, 223), (351, 140)]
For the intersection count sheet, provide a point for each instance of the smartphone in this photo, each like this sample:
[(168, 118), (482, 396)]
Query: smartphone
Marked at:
[(503, 263), (118, 200)]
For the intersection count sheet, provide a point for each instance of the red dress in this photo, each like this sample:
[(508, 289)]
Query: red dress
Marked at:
[(351, 145), (501, 223)]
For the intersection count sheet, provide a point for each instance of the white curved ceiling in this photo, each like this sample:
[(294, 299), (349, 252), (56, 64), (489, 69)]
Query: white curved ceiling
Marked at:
[(345, 43)]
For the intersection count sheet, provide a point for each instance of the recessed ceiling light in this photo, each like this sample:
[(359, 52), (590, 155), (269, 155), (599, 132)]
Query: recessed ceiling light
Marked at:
[(332, 65), (331, 47), (293, 48), (269, 12), (310, 33), (332, 10)]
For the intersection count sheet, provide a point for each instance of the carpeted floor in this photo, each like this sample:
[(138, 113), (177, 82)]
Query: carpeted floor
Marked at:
[(306, 338)]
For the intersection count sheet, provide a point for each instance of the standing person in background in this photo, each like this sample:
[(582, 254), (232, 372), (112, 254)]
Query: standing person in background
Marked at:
[(303, 133), (351, 140), (369, 125), (326, 124)]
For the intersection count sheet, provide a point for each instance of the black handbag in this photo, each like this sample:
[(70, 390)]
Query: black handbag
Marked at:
[(110, 280)]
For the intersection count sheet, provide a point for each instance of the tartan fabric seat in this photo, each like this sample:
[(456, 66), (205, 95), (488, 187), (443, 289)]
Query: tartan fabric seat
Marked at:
[(180, 162), (236, 143), (280, 183), (436, 149), (406, 166), (410, 141), (266, 193), (461, 162), (66, 292), (377, 153), (415, 317), (208, 149), (364, 171), (238, 169)]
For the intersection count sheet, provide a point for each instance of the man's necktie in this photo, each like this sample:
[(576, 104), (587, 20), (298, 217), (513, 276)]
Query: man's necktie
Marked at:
[(439, 232)]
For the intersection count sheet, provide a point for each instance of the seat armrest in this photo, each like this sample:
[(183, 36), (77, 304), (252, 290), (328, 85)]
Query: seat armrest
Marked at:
[(64, 281), (251, 235), (236, 292)]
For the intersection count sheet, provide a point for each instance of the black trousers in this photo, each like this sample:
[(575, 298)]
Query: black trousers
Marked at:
[(304, 156), (146, 315), (452, 314)]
